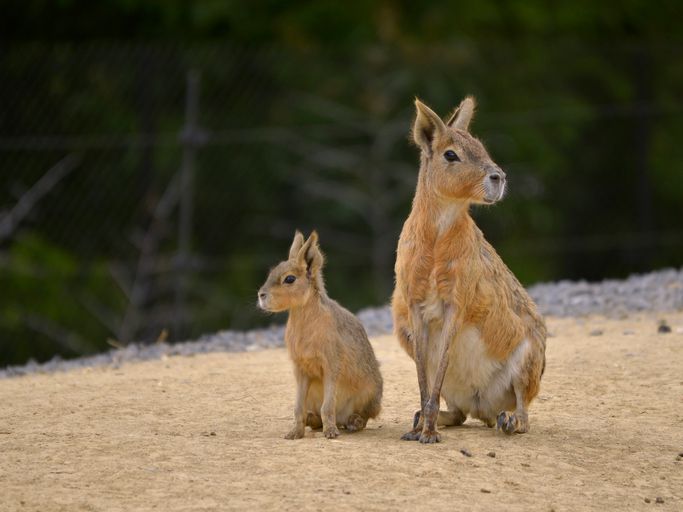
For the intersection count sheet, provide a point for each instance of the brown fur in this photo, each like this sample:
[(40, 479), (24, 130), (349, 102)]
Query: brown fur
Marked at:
[(337, 374), (450, 279)]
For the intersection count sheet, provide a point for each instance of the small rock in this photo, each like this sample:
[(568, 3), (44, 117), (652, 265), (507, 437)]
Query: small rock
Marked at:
[(663, 328), (648, 500), (524, 464), (629, 332), (659, 499), (347, 492), (212, 434), (465, 452), (491, 454), (596, 332), (485, 491)]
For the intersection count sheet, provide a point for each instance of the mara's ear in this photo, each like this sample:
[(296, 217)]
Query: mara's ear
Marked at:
[(310, 254), (462, 115), (297, 244), (427, 126)]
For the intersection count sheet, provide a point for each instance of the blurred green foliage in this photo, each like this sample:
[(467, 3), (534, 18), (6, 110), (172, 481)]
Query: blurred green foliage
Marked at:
[(307, 107)]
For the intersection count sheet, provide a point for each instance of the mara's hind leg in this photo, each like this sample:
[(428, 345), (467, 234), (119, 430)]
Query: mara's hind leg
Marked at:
[(525, 384), (449, 418), (314, 421), (518, 421), (371, 409), (356, 422)]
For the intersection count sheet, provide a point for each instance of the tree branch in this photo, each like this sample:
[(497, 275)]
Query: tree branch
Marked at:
[(10, 222)]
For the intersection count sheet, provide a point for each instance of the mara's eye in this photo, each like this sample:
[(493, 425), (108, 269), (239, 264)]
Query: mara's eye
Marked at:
[(451, 156), (289, 279)]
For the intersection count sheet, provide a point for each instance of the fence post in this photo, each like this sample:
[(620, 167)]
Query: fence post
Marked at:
[(191, 138)]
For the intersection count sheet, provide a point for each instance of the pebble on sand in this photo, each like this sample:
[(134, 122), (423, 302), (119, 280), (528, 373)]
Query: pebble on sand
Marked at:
[(491, 454), (465, 452), (596, 332), (486, 491), (659, 499), (663, 328)]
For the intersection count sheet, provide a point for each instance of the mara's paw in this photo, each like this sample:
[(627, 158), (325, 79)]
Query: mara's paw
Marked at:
[(430, 437), (355, 423), (295, 433), (412, 435), (511, 423), (331, 432)]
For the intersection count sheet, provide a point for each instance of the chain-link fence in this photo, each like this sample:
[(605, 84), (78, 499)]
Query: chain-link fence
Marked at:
[(146, 189)]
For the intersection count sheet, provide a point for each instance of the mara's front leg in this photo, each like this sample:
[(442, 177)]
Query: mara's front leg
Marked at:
[(328, 410), (302, 385), (420, 346), (430, 411)]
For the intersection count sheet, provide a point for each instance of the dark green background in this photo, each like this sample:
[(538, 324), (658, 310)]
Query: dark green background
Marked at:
[(306, 108)]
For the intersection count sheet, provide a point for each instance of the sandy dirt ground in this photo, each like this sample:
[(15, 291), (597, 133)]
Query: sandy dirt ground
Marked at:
[(205, 433)]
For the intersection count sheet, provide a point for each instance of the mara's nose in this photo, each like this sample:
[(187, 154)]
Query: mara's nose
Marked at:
[(497, 176)]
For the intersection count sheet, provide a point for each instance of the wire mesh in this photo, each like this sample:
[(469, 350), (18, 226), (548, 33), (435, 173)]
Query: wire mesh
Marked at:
[(305, 139)]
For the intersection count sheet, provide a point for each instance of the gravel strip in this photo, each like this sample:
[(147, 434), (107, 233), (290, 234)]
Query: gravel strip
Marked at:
[(656, 291)]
